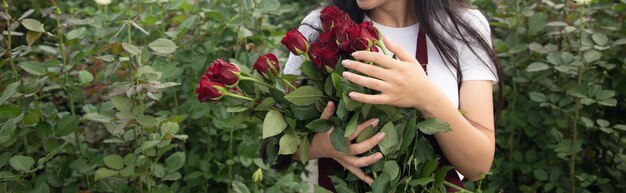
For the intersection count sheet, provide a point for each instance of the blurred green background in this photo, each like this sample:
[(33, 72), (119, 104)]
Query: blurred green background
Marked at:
[(101, 98)]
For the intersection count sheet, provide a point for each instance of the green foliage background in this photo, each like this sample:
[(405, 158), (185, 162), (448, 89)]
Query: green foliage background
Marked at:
[(95, 101)]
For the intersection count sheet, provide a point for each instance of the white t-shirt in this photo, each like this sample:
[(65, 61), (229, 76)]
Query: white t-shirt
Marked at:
[(472, 67)]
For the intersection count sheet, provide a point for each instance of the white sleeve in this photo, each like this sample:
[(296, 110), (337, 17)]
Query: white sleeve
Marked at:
[(477, 66), (292, 66)]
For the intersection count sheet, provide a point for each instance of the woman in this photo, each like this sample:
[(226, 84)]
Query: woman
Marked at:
[(445, 63)]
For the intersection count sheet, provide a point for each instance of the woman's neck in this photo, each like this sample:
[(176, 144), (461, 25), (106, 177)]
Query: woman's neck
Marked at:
[(398, 13)]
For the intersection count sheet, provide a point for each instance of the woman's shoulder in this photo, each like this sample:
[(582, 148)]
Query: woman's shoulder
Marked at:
[(476, 18), (311, 24)]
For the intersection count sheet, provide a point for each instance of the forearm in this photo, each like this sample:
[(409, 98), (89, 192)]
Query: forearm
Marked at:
[(467, 148)]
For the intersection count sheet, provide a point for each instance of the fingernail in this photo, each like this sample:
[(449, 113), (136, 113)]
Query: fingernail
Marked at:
[(381, 135), (346, 62), (346, 74), (375, 122), (378, 156), (355, 54), (369, 182), (352, 95)]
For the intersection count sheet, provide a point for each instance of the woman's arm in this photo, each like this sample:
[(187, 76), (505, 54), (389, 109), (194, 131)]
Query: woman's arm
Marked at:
[(469, 147)]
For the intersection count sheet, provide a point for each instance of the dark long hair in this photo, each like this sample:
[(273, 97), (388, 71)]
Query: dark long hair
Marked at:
[(443, 23)]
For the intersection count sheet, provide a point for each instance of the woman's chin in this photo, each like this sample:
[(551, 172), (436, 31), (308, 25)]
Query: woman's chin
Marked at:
[(368, 4)]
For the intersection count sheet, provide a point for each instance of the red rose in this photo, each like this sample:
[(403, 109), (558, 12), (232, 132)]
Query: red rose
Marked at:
[(262, 64), (327, 37), (331, 16), (295, 42), (369, 27), (207, 92), (222, 72), (363, 41), (346, 34), (323, 55)]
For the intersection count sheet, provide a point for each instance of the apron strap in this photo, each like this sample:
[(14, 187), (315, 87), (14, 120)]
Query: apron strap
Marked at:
[(421, 51)]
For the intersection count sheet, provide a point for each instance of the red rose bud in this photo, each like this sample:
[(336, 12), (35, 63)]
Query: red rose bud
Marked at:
[(207, 92), (267, 63), (324, 55), (222, 72), (331, 16), (369, 27), (295, 42)]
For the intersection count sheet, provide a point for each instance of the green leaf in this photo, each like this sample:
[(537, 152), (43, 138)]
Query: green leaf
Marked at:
[(239, 187), (592, 56), (366, 134), (172, 176), (421, 181), (309, 70), (96, 117), (67, 125), (431, 126), (388, 144), (540, 174), (85, 76), (148, 144), (268, 5), (537, 97), (537, 66), (441, 173), (266, 104), (9, 91), (175, 161), (21, 163), (32, 37), (340, 185), (304, 95), (409, 133), (131, 49), (319, 189), (380, 184), (76, 33), (319, 125), (428, 168), (352, 124), (104, 173), (9, 111), (392, 169), (33, 25), (338, 140), (273, 124), (122, 103), (32, 67), (288, 144), (114, 161), (304, 149), (163, 46), (600, 38)]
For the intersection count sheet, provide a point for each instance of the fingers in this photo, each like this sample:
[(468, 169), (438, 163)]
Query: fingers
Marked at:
[(375, 57), (368, 82), (367, 69), (372, 122), (359, 148), (358, 173), (328, 111), (369, 99), (362, 161), (400, 52)]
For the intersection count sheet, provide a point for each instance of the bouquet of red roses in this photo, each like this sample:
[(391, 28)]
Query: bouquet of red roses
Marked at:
[(291, 118)]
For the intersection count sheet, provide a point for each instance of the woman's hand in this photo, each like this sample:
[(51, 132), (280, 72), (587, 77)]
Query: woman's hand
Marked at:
[(402, 82), (321, 147)]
